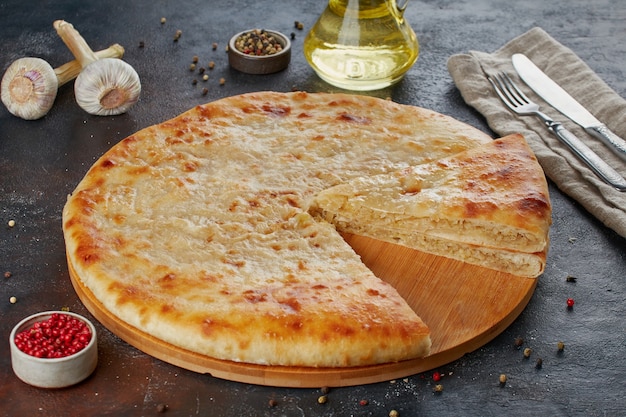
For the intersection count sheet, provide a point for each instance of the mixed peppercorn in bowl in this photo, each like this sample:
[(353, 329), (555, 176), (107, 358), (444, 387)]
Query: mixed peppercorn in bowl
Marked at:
[(259, 51)]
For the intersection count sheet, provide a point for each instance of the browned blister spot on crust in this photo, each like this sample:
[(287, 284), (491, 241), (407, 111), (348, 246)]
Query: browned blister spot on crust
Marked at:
[(88, 250), (211, 278), (292, 304), (87, 254), (138, 170), (254, 202), (479, 209), (244, 344), (205, 112), (293, 202), (342, 329), (119, 219), (210, 326), (107, 163), (190, 166), (233, 206), (291, 279), (375, 293), (295, 325), (166, 309), (173, 141), (253, 296), (276, 110), (536, 205), (129, 294), (353, 118), (168, 282), (234, 262)]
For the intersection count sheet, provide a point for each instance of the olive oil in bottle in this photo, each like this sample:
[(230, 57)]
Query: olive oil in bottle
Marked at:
[(361, 44)]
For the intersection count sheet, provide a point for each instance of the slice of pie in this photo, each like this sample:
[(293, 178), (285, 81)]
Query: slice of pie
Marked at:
[(488, 206)]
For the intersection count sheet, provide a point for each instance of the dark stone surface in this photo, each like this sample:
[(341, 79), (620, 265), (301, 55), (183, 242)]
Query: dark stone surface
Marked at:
[(42, 161)]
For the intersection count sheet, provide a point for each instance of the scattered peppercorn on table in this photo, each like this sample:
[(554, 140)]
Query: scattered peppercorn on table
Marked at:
[(563, 355)]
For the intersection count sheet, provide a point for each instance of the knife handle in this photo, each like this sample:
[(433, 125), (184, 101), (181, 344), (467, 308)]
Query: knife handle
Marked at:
[(593, 161), (617, 144)]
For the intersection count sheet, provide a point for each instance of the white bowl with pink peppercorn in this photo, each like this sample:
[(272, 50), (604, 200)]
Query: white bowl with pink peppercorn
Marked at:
[(53, 349)]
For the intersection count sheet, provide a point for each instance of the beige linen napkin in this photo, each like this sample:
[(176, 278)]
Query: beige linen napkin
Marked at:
[(560, 165)]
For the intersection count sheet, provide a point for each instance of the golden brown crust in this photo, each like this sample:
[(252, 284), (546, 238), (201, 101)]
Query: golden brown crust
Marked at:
[(196, 230)]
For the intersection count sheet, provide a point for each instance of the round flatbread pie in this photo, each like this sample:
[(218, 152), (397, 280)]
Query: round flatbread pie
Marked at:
[(197, 231)]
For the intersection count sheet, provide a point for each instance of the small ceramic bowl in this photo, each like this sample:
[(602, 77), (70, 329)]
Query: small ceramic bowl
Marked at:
[(53, 372), (260, 64)]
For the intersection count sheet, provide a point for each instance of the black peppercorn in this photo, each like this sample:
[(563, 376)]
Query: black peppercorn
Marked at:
[(258, 42)]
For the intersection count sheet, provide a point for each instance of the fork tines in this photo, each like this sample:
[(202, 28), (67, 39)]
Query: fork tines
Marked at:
[(503, 85)]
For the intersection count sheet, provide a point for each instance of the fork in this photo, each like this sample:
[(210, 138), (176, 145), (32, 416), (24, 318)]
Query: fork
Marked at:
[(517, 101)]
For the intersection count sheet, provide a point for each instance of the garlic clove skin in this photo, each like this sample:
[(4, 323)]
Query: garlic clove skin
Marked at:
[(29, 87), (107, 87)]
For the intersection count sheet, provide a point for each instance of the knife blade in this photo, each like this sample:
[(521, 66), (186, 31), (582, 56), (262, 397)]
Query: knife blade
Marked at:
[(560, 99)]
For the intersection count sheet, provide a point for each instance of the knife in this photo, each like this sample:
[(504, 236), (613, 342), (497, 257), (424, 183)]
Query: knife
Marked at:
[(558, 98)]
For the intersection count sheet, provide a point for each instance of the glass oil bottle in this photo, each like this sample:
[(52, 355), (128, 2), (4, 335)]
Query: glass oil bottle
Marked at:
[(361, 44)]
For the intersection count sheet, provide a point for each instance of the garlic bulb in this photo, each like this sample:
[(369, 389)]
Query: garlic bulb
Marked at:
[(29, 87), (104, 87), (107, 89)]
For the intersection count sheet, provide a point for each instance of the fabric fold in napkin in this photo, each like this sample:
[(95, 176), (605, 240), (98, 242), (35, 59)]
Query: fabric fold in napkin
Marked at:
[(469, 72)]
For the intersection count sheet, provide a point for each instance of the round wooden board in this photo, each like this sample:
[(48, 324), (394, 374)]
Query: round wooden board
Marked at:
[(464, 305)]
